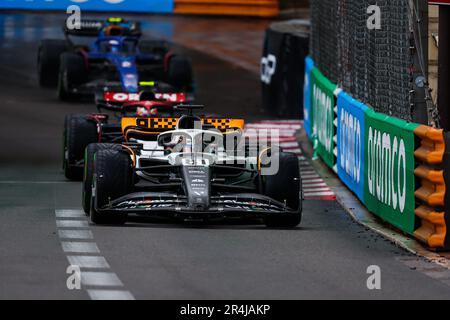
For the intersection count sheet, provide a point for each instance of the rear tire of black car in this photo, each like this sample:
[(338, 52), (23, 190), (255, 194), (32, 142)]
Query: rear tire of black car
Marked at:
[(286, 187), (113, 178), (179, 73), (72, 73), (89, 154), (79, 132), (49, 56)]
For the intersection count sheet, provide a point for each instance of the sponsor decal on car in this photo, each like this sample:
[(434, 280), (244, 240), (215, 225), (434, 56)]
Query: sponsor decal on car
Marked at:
[(120, 97), (172, 97), (134, 97)]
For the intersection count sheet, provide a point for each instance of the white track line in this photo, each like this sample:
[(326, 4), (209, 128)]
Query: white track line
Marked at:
[(76, 234), (318, 194), (89, 262), (69, 213), (307, 171), (72, 224), (306, 181), (310, 176), (77, 242), (314, 185), (80, 247), (103, 279), (110, 295), (311, 190)]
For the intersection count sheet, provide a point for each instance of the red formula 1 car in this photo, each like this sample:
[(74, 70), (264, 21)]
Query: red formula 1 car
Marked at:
[(102, 127)]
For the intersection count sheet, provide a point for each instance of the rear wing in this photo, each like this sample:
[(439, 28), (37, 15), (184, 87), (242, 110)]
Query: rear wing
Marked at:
[(92, 28), (87, 28), (122, 97), (115, 101), (155, 126)]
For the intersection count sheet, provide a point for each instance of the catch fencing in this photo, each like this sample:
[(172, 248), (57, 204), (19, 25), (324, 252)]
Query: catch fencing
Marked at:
[(374, 66)]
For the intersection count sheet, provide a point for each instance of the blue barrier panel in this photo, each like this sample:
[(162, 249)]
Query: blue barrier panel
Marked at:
[(350, 143), (309, 66), (162, 6)]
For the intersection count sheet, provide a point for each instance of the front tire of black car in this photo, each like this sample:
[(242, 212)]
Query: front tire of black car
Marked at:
[(79, 132), (113, 178), (72, 73), (286, 187), (89, 154)]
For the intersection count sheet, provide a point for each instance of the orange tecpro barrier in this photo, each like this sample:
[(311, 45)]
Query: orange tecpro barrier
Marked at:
[(257, 8), (432, 190)]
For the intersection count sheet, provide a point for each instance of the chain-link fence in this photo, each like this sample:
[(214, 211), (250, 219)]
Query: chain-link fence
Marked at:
[(375, 66)]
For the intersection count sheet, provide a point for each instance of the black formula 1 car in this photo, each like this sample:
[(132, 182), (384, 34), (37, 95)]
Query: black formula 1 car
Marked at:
[(81, 130), (190, 174), (117, 60)]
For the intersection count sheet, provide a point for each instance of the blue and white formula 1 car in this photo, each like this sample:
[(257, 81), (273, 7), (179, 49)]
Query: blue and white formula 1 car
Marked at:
[(117, 60)]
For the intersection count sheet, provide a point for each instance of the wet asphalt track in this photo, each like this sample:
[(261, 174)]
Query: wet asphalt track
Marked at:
[(326, 257)]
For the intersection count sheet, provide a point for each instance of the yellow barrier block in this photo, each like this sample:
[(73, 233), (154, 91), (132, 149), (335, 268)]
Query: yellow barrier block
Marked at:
[(433, 187), (433, 229), (259, 8), (432, 146)]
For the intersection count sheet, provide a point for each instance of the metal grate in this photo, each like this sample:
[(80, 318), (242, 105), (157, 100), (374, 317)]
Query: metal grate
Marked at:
[(374, 66)]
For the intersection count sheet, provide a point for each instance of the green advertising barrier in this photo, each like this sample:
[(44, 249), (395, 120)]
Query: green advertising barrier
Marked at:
[(389, 169), (389, 162), (323, 102)]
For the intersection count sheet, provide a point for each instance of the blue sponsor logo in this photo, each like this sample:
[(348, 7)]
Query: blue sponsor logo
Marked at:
[(309, 66), (350, 143), (165, 6)]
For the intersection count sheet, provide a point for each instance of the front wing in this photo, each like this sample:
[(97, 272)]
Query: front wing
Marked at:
[(172, 205)]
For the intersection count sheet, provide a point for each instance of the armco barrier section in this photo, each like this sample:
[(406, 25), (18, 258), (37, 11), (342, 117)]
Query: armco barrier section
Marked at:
[(389, 169), (157, 6), (399, 170), (322, 114), (350, 143), (259, 8)]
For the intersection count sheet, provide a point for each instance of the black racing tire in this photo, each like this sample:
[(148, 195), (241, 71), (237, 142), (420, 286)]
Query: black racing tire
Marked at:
[(79, 132), (72, 73), (89, 154), (157, 47), (179, 73), (49, 56), (286, 187), (113, 178)]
